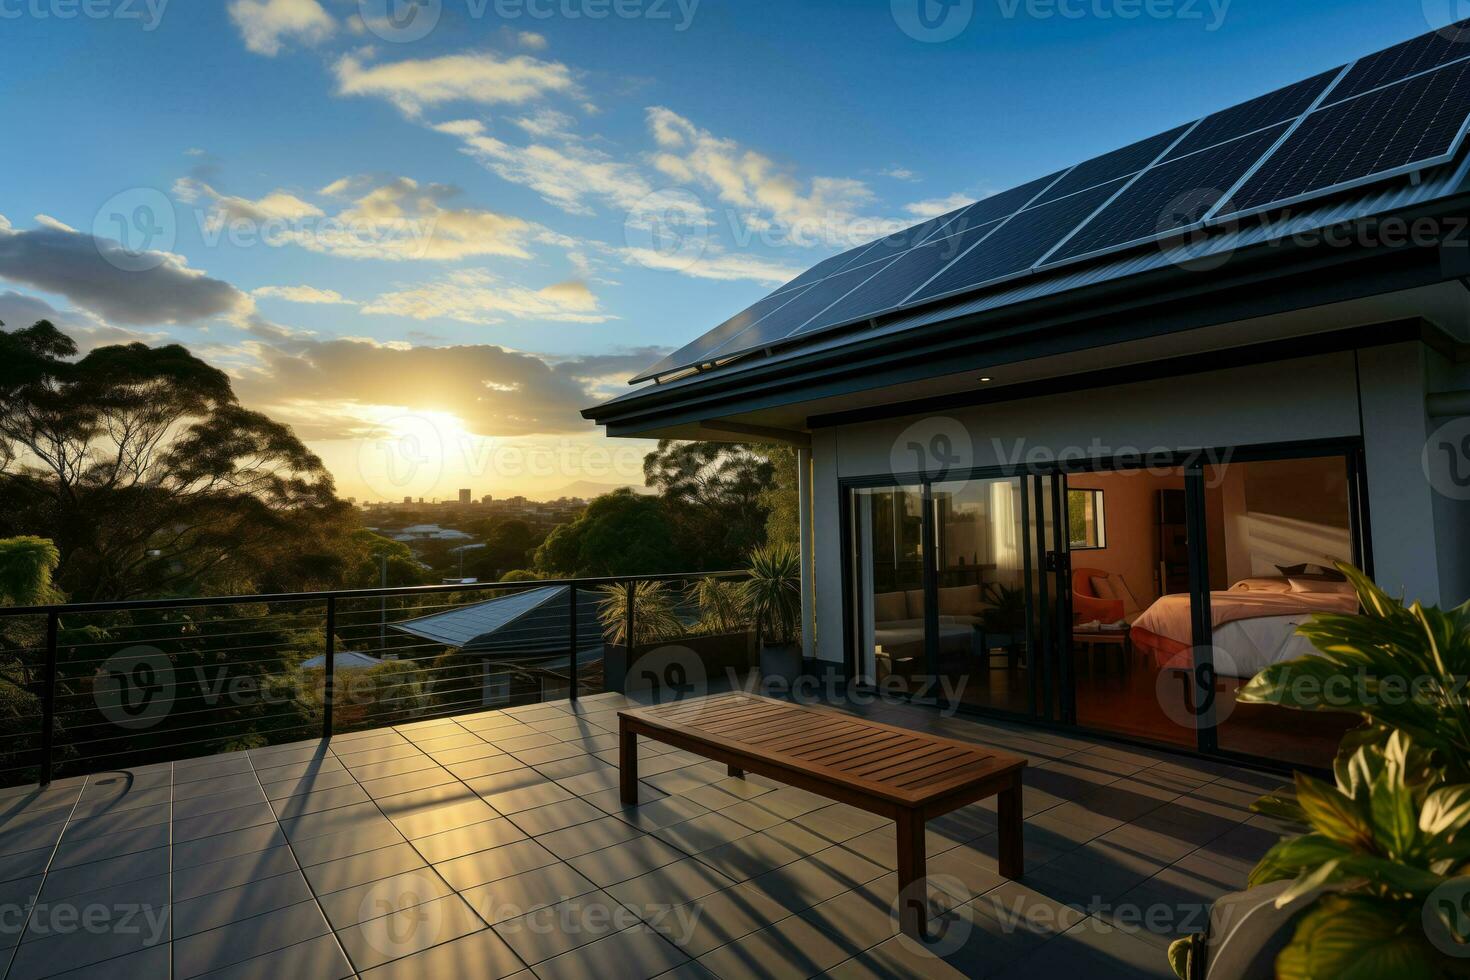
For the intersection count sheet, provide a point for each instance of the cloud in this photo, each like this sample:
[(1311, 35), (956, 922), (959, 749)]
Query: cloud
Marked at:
[(266, 24), (899, 173), (394, 219), (532, 40), (939, 205), (302, 294), (18, 311), (329, 388), (713, 264), (473, 296), (278, 205), (564, 176), (483, 79), (76, 265), (824, 211)]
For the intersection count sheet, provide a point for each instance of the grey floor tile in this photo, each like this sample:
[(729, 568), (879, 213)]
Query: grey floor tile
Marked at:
[(519, 894), (679, 883), (72, 853), (792, 949), (703, 832), (482, 955), (358, 869), (408, 931), (318, 800), (494, 864), (554, 929), (360, 840), (556, 816), (716, 919), (223, 822), (237, 843), (149, 963), (591, 836), (308, 783), (385, 896), (436, 820), (319, 958), (639, 952), (77, 879), (241, 902), (626, 860), (247, 939), (455, 843)]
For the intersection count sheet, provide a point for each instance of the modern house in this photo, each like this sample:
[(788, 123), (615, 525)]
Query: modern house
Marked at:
[(1086, 450)]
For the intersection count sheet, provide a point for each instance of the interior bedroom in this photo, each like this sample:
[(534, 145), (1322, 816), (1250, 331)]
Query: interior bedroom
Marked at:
[(1273, 530)]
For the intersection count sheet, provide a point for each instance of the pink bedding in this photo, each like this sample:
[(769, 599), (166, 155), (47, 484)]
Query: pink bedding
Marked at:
[(1169, 618)]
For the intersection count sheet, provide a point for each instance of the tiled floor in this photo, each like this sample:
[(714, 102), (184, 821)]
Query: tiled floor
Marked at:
[(494, 845)]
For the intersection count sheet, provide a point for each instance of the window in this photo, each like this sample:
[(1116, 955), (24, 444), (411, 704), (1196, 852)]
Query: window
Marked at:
[(1085, 518)]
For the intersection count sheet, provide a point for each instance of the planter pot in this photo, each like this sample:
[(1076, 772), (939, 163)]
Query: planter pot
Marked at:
[(782, 661), (687, 664)]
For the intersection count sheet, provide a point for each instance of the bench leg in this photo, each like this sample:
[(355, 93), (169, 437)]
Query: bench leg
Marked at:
[(735, 773), (912, 888), (1012, 849), (627, 765)]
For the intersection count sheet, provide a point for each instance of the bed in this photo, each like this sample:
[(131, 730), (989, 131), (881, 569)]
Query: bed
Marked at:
[(1254, 623)]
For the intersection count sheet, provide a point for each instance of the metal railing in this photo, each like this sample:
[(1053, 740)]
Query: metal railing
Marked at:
[(99, 686)]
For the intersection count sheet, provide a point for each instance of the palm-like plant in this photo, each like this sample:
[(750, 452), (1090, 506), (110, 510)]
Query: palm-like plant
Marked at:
[(773, 593), (721, 605), (654, 618)]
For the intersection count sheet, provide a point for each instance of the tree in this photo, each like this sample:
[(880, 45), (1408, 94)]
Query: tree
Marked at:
[(783, 522), (151, 478), (620, 533), (715, 496), (508, 545)]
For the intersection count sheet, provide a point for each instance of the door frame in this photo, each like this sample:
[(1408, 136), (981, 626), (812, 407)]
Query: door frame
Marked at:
[(1053, 686)]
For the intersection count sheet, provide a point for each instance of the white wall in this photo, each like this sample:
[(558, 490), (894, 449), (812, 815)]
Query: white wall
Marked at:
[(1299, 400)]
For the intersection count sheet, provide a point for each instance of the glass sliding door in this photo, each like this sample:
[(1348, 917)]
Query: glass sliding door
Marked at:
[(983, 596), (888, 582)]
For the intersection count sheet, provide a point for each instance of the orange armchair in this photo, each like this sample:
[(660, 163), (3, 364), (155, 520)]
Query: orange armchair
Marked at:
[(1086, 606)]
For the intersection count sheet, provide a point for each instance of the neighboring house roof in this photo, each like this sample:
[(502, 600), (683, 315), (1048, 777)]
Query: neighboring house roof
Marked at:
[(530, 623), (1138, 273), (349, 660)]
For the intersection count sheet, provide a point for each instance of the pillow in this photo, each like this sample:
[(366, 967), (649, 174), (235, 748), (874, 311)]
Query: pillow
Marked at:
[(1327, 586), (1262, 585), (1103, 587), (1307, 570), (889, 606)]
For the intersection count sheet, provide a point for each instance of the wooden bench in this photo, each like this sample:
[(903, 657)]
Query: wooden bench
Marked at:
[(907, 776)]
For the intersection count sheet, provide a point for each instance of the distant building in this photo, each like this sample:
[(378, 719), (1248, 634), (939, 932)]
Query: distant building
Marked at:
[(408, 501), (464, 498)]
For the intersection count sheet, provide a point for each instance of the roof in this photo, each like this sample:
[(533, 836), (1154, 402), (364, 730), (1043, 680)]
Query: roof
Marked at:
[(1210, 255), (349, 660), (529, 622)]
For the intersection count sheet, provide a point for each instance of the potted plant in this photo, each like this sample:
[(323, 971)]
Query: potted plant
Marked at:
[(773, 601), (1378, 886)]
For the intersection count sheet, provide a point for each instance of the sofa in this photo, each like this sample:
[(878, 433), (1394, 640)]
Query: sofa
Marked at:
[(898, 623), (1088, 605)]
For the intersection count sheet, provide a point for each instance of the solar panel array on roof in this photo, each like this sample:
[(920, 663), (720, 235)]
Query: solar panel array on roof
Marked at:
[(1401, 110)]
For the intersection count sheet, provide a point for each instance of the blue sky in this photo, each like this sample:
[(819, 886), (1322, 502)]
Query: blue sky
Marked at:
[(459, 239)]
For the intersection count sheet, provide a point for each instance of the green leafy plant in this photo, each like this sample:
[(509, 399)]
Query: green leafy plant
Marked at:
[(721, 606), (654, 617), (772, 594), (1007, 608), (1403, 668), (1395, 828)]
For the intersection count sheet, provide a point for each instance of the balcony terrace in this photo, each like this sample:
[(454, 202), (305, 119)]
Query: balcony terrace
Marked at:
[(493, 844)]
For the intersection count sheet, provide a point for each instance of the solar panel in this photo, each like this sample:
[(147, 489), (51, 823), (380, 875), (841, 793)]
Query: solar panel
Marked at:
[(1110, 166), (1015, 246), (822, 269), (1274, 107), (1001, 205), (785, 320), (1402, 60), (700, 350), (1171, 196), (1406, 126), (889, 288)]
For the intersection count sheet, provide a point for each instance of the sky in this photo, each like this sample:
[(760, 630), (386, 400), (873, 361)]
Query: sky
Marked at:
[(427, 233)]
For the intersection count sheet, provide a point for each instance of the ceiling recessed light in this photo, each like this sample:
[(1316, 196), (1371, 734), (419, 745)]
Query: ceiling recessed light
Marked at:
[(985, 380)]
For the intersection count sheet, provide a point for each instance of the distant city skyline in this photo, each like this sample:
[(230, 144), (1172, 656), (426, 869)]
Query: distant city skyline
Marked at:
[(426, 244)]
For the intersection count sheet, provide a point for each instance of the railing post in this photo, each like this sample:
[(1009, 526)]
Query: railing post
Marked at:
[(329, 687), (48, 697), (572, 636), (628, 621)]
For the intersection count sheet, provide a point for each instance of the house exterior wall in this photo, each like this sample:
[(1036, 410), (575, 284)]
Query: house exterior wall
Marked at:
[(1301, 400)]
